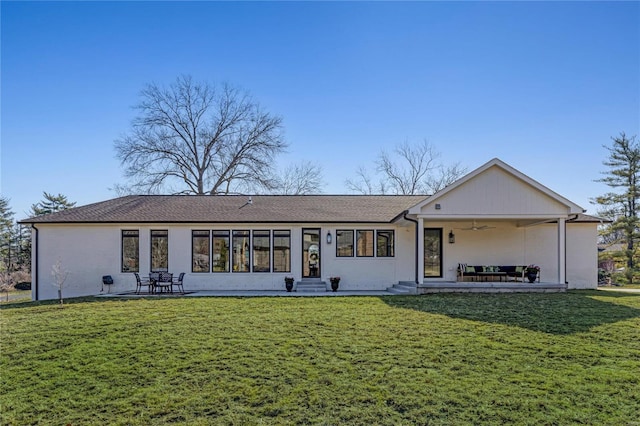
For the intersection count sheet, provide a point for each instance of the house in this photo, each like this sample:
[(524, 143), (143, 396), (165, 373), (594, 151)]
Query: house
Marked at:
[(494, 215)]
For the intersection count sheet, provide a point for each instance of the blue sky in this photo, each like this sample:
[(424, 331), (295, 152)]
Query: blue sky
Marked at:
[(541, 85)]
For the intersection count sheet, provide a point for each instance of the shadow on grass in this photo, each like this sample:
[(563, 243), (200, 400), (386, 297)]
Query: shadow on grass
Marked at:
[(557, 313)]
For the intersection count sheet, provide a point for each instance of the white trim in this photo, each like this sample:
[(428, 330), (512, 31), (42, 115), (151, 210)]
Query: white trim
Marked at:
[(420, 254), (562, 247)]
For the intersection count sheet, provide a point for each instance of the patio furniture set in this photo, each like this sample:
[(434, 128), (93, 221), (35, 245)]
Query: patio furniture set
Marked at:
[(160, 282), (495, 273)]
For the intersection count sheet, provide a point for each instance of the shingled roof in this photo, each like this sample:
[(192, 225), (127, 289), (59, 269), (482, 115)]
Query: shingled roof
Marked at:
[(235, 209)]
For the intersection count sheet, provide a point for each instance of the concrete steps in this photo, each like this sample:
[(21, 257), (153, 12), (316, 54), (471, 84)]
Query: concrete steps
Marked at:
[(311, 286), (403, 287)]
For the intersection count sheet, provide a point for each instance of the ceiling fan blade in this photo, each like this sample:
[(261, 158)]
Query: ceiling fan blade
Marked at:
[(476, 227)]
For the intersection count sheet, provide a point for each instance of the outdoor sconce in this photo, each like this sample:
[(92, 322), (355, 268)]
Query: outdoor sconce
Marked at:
[(329, 237), (452, 237)]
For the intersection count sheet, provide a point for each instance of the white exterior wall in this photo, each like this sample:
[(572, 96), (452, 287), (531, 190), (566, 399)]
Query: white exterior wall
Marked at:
[(582, 255), (90, 251), (508, 244), (85, 251)]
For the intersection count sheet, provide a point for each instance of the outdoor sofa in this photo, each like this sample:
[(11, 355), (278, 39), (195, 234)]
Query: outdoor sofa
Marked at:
[(491, 272)]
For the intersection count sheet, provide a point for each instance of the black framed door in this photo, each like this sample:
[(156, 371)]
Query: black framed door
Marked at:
[(433, 252), (311, 252)]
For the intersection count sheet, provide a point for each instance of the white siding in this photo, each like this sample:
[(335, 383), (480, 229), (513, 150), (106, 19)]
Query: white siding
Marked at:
[(582, 255), (495, 193)]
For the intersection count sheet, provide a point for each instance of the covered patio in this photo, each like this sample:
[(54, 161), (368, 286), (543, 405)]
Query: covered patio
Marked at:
[(497, 216)]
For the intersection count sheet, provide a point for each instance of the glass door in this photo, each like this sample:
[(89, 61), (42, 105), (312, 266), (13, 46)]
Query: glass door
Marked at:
[(311, 253), (433, 252)]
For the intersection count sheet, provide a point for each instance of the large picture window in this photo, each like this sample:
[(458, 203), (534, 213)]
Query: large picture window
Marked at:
[(130, 251), (159, 251), (200, 254), (281, 251), (433, 252), (261, 251), (241, 255), (220, 251), (364, 243), (344, 243), (385, 243)]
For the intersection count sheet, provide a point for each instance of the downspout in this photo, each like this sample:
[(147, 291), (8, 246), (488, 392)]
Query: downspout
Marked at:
[(34, 267), (417, 236)]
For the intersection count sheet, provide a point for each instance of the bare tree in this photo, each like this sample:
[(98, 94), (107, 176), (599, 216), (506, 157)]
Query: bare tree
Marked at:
[(412, 169), (364, 184), (198, 138), (300, 179), (60, 275)]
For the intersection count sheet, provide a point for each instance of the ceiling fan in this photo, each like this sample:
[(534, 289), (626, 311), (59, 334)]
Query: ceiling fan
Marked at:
[(476, 227)]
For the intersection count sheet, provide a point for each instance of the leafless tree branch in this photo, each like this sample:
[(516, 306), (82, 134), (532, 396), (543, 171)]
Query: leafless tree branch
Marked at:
[(198, 138), (410, 170), (300, 179)]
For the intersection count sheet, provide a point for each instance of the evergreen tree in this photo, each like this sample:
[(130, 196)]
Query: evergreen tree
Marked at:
[(622, 205), (6, 234), (51, 204)]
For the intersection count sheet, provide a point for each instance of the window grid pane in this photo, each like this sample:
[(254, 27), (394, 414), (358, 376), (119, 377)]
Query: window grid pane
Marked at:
[(241, 257), (344, 243), (261, 251), (364, 245), (159, 251), (200, 251), (281, 251), (385, 243), (220, 251), (130, 251)]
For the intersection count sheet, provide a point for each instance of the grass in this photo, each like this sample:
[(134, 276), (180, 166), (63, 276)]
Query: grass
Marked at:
[(15, 296), (529, 359)]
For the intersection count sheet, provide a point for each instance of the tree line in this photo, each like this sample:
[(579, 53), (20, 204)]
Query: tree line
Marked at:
[(15, 239), (200, 138)]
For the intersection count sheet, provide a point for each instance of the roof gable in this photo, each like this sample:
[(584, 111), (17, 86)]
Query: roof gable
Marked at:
[(496, 190)]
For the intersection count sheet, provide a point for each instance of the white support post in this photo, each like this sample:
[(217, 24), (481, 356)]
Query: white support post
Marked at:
[(420, 255), (562, 248)]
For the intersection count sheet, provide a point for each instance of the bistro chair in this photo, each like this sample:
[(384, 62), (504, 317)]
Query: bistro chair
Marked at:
[(140, 284), (163, 284), (178, 283)]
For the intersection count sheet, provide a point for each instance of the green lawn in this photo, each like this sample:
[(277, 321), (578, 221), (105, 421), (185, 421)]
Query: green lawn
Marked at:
[(571, 358)]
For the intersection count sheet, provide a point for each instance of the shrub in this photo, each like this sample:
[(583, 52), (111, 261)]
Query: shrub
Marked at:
[(23, 286)]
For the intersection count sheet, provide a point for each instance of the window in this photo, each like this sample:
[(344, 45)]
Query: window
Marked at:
[(281, 251), (159, 251), (220, 251), (130, 251), (344, 243), (433, 252), (261, 251), (240, 260), (200, 258), (364, 243), (385, 243)]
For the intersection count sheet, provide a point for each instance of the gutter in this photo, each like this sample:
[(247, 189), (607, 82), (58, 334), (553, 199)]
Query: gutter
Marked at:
[(404, 215)]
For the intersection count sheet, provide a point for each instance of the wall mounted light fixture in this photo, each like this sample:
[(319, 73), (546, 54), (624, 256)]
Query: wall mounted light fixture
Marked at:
[(452, 237), (329, 237)]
